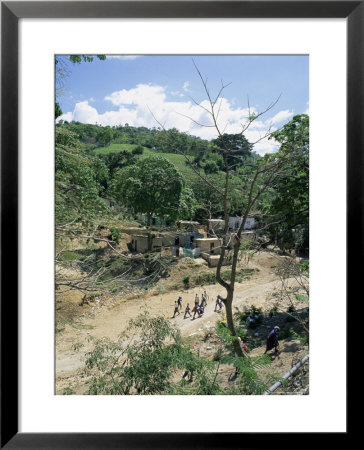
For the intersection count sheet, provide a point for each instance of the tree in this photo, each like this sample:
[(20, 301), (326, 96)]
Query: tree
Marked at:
[(187, 204), (77, 180), (152, 186), (58, 111), (238, 145), (151, 358), (288, 205), (105, 136)]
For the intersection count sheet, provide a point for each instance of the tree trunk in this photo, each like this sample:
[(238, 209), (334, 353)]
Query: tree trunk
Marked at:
[(230, 323)]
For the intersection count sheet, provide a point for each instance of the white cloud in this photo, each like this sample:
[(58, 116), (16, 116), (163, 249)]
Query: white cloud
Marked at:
[(85, 113), (186, 86), (134, 106), (282, 116), (177, 93), (67, 117), (142, 93)]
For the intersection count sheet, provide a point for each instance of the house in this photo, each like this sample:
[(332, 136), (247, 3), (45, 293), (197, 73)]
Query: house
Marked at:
[(212, 246), (213, 260), (145, 243), (230, 240), (235, 222)]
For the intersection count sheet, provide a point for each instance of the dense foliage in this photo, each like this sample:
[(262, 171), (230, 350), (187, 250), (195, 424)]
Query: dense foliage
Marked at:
[(288, 207), (150, 356), (121, 163)]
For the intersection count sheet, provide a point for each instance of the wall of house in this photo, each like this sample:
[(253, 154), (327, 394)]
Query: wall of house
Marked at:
[(205, 245), (157, 243), (139, 243), (235, 222), (213, 260)]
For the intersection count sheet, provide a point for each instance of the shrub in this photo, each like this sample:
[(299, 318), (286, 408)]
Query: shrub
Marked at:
[(186, 281), (115, 234)]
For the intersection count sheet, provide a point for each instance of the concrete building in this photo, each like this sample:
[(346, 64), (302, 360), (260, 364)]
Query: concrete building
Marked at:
[(229, 240), (187, 239), (212, 246), (145, 243), (235, 222), (213, 260)]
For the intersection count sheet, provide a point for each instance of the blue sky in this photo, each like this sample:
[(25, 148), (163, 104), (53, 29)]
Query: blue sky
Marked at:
[(124, 89)]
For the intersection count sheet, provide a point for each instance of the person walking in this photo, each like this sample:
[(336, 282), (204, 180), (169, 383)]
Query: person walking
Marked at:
[(196, 311), (187, 311), (201, 310), (176, 310), (217, 303), (272, 340), (204, 299), (179, 301), (197, 301)]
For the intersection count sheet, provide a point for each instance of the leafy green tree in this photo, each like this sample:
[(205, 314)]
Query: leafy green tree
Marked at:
[(152, 186), (77, 177), (239, 148), (187, 204), (210, 202), (77, 59), (288, 207), (105, 136), (115, 161), (145, 360), (58, 110), (149, 356)]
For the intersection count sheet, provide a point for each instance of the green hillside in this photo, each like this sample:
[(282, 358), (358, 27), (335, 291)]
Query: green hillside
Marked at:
[(178, 160)]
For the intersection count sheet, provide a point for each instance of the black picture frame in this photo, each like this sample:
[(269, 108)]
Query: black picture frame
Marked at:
[(11, 12)]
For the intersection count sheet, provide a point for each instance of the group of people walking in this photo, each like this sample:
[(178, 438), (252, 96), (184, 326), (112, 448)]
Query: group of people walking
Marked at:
[(198, 308)]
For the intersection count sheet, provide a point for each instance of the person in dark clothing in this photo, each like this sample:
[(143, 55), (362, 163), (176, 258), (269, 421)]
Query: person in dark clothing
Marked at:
[(272, 340), (217, 304), (187, 311), (179, 301)]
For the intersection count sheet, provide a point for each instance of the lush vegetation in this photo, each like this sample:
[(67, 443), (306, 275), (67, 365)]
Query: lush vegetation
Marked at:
[(95, 162), (152, 358)]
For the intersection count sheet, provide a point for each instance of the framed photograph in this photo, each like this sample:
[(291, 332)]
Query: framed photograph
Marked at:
[(107, 78)]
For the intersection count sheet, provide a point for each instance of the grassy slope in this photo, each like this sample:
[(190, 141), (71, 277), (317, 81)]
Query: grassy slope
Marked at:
[(177, 160)]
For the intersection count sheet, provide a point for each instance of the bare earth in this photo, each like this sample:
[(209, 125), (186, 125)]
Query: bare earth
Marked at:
[(111, 318)]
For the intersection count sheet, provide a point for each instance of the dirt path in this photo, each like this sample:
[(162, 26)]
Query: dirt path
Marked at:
[(111, 322)]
